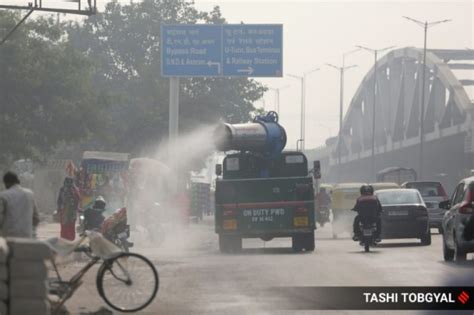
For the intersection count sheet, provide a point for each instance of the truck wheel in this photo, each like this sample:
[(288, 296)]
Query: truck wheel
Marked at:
[(297, 243), (236, 244), (309, 242), (229, 244), (224, 245)]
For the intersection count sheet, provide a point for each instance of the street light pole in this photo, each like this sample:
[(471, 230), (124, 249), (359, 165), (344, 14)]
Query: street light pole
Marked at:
[(374, 105), (303, 103), (301, 139), (341, 98), (341, 105), (425, 26), (277, 97)]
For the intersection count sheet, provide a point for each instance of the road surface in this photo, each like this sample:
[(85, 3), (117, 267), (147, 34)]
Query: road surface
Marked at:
[(196, 279)]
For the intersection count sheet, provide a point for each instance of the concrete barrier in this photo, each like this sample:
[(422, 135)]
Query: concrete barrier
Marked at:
[(4, 291), (27, 277)]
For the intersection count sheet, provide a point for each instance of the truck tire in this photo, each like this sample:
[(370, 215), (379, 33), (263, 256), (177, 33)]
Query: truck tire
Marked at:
[(236, 244), (229, 244), (303, 241), (309, 242), (224, 245), (297, 243)]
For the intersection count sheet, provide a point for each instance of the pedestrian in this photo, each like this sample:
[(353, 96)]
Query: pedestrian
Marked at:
[(18, 213), (68, 202)]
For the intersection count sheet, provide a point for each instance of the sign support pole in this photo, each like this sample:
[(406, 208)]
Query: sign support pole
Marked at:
[(174, 108), (173, 122)]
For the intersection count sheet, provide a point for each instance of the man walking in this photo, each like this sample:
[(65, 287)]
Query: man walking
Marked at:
[(18, 213)]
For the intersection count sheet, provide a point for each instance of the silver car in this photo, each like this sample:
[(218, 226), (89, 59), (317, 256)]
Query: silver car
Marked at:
[(459, 210), (432, 193)]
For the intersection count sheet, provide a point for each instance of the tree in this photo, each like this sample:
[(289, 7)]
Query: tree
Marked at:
[(46, 95), (123, 44)]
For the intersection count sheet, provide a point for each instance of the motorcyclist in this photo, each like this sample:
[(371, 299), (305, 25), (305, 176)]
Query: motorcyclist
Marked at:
[(93, 217), (323, 200), (369, 209)]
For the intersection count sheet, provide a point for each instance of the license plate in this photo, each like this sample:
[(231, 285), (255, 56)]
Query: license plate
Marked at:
[(300, 221), (367, 232), (230, 224), (398, 213), (122, 235)]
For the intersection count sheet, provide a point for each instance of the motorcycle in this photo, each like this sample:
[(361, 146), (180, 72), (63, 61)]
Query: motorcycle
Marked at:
[(322, 215), (114, 228), (367, 235)]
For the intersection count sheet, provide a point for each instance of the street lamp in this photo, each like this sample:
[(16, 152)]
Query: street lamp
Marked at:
[(303, 102), (425, 25), (277, 97), (341, 104), (375, 52), (347, 53)]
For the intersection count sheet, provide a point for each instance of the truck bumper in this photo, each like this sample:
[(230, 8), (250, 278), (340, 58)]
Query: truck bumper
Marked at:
[(267, 234)]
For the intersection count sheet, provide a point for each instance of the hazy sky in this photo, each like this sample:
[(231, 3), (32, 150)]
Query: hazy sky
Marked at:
[(318, 32)]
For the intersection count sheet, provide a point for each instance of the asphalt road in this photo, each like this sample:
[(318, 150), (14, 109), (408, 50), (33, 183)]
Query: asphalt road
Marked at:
[(196, 279)]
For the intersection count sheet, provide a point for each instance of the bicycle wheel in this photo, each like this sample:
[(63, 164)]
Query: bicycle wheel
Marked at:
[(128, 282)]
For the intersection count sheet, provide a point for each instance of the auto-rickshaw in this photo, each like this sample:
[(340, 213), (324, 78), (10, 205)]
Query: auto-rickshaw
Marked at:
[(103, 174), (384, 185), (344, 197)]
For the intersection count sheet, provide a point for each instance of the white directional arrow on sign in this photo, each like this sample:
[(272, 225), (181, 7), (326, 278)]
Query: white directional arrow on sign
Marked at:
[(213, 63), (248, 70)]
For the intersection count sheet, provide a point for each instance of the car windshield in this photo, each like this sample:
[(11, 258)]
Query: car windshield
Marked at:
[(398, 197), (428, 189)]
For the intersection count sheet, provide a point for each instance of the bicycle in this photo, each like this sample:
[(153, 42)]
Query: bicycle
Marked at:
[(116, 276)]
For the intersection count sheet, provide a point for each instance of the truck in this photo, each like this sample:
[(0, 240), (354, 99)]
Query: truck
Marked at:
[(262, 191), (396, 174)]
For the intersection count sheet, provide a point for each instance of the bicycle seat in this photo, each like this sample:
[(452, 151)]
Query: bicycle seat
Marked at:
[(63, 247)]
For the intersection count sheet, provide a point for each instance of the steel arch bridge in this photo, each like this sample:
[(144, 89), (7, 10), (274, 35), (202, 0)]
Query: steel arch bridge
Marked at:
[(448, 118)]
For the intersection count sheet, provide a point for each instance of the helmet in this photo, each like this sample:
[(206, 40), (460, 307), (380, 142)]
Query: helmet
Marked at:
[(99, 203), (366, 190)]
